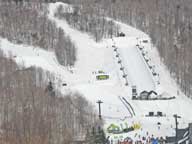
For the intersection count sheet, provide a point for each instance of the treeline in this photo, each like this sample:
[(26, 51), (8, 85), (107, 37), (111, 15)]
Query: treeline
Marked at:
[(27, 23), (169, 24), (30, 114), (89, 20), (38, 1)]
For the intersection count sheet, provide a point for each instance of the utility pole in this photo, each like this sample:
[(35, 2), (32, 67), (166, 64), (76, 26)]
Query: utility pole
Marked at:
[(99, 103), (176, 128)]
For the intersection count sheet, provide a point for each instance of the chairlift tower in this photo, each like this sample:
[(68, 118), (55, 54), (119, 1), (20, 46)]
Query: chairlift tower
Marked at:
[(176, 128), (99, 103)]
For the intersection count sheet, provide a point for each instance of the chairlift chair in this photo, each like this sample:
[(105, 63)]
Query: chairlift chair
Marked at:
[(119, 61), (150, 66), (122, 68), (124, 76), (154, 73)]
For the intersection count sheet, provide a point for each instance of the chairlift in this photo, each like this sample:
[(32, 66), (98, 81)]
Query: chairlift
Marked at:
[(154, 73), (124, 76), (122, 68), (150, 66), (147, 60), (119, 61), (143, 53)]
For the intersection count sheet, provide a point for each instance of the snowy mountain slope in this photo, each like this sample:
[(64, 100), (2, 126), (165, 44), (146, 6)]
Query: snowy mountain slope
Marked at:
[(135, 67), (93, 57), (167, 84), (33, 56), (88, 50), (108, 94)]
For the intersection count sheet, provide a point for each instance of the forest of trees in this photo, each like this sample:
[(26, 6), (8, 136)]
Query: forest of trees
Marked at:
[(31, 114), (32, 110), (169, 24), (89, 20), (27, 23)]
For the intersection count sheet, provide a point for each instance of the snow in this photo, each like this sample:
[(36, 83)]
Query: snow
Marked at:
[(33, 56), (92, 57), (138, 73)]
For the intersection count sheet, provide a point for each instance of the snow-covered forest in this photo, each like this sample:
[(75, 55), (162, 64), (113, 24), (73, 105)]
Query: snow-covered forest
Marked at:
[(169, 24), (61, 59), (33, 111), (27, 23), (90, 21)]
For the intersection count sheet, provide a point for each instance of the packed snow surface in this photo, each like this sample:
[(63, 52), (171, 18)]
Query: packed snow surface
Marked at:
[(93, 57), (135, 67)]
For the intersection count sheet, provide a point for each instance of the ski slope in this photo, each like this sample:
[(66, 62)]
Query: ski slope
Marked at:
[(91, 57), (135, 67)]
